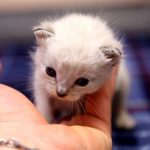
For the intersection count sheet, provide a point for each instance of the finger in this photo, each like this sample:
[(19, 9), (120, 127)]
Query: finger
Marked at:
[(89, 121), (93, 138), (98, 104), (14, 106), (79, 137)]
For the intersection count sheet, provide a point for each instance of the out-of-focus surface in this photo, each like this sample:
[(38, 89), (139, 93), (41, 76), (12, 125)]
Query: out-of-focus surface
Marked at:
[(18, 17), (28, 5), (138, 61), (130, 19)]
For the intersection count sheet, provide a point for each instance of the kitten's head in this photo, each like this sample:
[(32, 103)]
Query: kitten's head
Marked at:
[(74, 56)]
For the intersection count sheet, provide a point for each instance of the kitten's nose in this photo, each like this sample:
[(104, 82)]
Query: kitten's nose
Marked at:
[(61, 92)]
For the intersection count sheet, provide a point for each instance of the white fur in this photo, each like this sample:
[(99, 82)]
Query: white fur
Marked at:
[(74, 49)]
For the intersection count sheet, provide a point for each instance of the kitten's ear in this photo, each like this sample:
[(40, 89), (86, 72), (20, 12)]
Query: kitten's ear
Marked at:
[(42, 35), (113, 55)]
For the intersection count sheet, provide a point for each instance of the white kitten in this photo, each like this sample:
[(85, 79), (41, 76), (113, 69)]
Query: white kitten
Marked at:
[(74, 56)]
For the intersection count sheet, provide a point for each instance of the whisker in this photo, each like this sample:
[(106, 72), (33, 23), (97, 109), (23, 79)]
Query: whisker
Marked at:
[(84, 112), (26, 84), (77, 106), (71, 109)]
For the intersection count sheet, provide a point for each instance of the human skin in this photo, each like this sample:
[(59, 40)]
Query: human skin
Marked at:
[(20, 120)]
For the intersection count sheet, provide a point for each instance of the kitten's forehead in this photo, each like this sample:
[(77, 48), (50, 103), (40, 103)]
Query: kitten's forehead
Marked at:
[(75, 56), (78, 56)]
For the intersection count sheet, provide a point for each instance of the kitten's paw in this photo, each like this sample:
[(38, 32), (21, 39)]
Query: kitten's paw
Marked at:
[(125, 121)]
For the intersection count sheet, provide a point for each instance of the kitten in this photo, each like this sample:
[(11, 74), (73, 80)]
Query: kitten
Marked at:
[(75, 54)]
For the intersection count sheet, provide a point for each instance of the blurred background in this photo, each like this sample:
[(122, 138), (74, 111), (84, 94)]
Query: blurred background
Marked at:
[(130, 19)]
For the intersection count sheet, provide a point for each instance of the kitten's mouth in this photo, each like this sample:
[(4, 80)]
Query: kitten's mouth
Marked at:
[(66, 98)]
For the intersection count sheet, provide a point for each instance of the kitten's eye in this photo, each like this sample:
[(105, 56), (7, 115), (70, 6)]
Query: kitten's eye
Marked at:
[(50, 71), (82, 81)]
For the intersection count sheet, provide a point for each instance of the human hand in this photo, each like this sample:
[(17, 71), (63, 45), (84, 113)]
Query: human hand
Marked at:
[(20, 120)]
